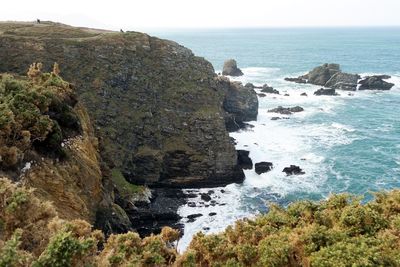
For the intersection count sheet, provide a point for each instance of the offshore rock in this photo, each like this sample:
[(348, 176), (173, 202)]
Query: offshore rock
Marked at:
[(343, 81), (324, 91), (375, 82), (296, 80), (231, 69), (269, 89), (244, 161), (322, 74), (286, 111), (263, 167), (293, 170)]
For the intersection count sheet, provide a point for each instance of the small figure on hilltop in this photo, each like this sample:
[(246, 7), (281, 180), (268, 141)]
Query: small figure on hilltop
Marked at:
[(38, 21), (121, 30)]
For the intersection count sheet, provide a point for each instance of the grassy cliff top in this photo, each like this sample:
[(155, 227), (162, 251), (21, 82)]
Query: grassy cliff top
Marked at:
[(48, 29)]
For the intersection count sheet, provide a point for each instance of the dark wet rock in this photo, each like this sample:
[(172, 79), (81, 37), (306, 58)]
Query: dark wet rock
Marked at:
[(222, 191), (191, 204), (150, 217), (206, 228), (222, 204), (262, 167), (322, 74), (210, 192), (212, 214), (343, 81), (193, 217), (296, 80), (231, 69), (286, 111), (261, 95), (375, 82), (286, 95), (293, 170), (205, 197), (269, 90), (323, 91), (303, 94), (279, 118), (244, 161)]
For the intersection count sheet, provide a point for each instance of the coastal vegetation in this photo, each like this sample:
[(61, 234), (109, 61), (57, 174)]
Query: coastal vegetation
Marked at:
[(339, 231)]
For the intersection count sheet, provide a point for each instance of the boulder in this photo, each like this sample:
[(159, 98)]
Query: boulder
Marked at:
[(262, 95), (343, 81), (263, 167), (268, 89), (296, 80), (205, 197), (303, 94), (244, 161), (293, 170), (323, 91), (286, 111), (231, 69), (375, 82)]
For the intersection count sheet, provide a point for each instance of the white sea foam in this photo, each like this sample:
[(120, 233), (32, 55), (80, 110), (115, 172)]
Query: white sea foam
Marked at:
[(299, 140)]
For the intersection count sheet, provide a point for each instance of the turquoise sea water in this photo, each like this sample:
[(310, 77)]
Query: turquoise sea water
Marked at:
[(344, 143)]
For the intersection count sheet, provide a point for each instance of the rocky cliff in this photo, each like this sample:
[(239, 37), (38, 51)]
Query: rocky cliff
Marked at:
[(157, 108)]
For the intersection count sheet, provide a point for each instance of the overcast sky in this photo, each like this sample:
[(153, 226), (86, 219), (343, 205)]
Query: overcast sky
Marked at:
[(152, 14)]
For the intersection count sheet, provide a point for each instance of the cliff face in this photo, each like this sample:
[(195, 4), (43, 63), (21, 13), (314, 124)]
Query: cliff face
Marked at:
[(157, 108)]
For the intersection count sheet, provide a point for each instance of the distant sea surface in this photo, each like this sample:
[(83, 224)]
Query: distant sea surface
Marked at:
[(347, 143)]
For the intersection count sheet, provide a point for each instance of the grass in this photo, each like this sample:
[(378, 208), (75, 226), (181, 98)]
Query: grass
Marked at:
[(125, 188)]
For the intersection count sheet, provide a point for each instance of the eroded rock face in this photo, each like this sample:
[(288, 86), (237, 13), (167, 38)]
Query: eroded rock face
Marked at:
[(375, 82), (343, 81), (240, 103), (231, 69), (156, 107)]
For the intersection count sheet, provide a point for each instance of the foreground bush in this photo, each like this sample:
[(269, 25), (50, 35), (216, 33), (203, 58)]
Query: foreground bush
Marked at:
[(339, 231), (36, 113)]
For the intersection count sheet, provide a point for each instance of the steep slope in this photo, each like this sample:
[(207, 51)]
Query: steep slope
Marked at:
[(157, 108)]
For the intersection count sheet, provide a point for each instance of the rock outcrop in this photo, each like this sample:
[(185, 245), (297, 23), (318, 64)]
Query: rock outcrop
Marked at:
[(268, 89), (322, 74), (240, 103), (293, 170), (343, 81), (263, 167), (157, 109), (375, 82), (244, 160), (296, 80), (324, 91), (286, 111), (231, 69)]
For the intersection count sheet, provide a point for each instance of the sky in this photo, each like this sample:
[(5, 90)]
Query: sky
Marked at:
[(162, 14)]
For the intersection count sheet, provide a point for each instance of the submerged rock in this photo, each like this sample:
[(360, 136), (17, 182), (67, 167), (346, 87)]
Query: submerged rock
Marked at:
[(263, 167), (244, 161), (323, 91), (303, 94), (293, 170), (231, 69), (375, 82), (286, 111)]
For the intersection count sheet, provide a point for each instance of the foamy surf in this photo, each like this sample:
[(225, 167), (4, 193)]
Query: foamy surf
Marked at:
[(308, 139)]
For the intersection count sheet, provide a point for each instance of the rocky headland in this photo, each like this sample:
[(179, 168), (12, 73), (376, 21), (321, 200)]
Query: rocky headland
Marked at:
[(160, 114)]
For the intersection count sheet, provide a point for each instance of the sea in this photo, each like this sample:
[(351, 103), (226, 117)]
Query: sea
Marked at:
[(347, 143)]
